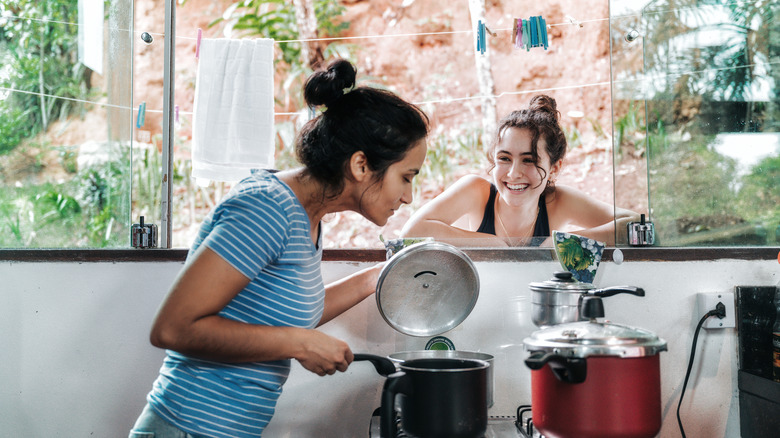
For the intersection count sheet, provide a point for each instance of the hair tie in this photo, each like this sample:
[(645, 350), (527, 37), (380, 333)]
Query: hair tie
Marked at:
[(348, 89)]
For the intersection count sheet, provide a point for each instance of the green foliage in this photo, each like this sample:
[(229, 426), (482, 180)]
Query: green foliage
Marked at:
[(39, 58), (760, 192), (448, 154), (629, 129), (276, 19)]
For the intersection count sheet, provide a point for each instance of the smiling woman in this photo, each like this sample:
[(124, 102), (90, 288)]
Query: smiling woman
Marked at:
[(521, 204)]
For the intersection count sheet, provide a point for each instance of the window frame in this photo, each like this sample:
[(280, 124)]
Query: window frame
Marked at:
[(522, 255)]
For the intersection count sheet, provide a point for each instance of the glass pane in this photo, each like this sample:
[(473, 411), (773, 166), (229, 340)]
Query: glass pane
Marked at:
[(424, 52), (65, 116), (707, 78)]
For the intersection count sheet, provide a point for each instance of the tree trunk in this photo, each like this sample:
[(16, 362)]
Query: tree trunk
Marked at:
[(487, 88), (306, 20)]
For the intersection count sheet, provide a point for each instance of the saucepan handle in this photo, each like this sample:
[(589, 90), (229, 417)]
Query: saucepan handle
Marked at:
[(566, 369), (383, 365), (614, 290)]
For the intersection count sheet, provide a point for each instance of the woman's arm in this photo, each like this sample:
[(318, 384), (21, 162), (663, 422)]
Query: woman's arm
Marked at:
[(467, 197), (589, 217), (188, 322), (342, 294)]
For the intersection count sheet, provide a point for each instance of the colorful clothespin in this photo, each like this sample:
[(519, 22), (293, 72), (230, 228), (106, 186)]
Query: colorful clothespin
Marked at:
[(197, 44), (481, 44), (481, 40), (530, 33), (139, 122), (176, 115), (517, 33), (526, 35)]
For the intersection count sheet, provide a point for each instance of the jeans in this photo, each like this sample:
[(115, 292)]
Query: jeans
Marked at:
[(151, 425)]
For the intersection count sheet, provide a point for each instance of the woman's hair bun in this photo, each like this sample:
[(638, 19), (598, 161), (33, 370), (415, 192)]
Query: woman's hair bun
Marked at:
[(325, 87), (545, 103)]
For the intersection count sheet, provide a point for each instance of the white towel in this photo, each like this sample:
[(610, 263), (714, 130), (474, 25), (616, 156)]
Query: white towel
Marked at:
[(233, 120)]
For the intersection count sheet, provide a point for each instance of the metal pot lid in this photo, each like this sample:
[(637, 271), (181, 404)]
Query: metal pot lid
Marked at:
[(583, 339), (427, 289), (563, 281)]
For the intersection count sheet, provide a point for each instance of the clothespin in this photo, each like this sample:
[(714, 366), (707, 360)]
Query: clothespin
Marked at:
[(526, 35), (573, 21), (493, 34), (139, 122), (197, 44), (530, 33), (481, 40), (517, 33), (176, 115)]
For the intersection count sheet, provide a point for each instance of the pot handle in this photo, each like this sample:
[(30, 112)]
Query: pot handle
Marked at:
[(395, 384), (383, 365), (614, 290), (566, 369)]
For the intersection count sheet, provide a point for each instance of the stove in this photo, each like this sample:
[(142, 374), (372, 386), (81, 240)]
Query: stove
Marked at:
[(519, 426)]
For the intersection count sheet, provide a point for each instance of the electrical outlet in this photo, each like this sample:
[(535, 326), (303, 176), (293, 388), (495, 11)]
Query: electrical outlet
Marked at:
[(707, 301)]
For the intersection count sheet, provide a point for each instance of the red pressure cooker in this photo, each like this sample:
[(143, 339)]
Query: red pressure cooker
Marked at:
[(595, 379)]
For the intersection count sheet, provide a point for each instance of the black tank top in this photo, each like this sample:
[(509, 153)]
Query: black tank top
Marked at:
[(488, 225)]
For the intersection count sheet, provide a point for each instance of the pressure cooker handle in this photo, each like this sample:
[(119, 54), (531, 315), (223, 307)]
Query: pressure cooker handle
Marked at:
[(566, 369), (383, 365), (614, 290)]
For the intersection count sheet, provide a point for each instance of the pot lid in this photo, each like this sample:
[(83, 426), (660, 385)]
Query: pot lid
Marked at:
[(583, 339), (563, 281), (427, 289)]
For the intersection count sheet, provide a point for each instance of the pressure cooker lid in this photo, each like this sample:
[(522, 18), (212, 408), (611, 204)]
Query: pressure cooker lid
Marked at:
[(583, 339), (562, 281), (427, 289)]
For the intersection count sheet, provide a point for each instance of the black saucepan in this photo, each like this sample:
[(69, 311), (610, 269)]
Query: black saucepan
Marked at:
[(442, 397)]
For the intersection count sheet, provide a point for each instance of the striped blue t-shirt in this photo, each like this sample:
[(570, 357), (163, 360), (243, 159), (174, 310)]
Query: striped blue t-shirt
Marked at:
[(262, 230)]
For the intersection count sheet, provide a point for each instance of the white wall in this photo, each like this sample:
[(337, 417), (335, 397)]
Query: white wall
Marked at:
[(76, 361)]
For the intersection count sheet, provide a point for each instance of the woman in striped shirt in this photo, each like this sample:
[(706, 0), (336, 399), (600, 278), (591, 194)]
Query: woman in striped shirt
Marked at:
[(251, 293)]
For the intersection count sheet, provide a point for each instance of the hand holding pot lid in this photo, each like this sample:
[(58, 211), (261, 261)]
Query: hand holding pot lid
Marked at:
[(427, 289)]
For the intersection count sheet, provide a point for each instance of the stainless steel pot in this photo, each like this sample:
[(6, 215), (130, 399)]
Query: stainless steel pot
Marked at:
[(559, 300), (404, 356)]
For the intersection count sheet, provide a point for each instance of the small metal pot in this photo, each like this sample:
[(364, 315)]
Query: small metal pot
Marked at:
[(559, 300), (403, 356)]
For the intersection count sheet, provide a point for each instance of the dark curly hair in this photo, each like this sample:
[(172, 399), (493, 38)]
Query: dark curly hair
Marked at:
[(542, 118), (377, 122)]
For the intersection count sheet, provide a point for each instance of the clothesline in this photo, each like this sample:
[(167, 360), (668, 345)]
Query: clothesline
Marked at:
[(572, 21), (447, 100)]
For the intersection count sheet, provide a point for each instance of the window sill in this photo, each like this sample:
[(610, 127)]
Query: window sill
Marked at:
[(653, 254)]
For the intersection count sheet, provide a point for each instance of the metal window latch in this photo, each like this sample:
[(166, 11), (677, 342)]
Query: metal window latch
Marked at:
[(641, 233), (144, 235)]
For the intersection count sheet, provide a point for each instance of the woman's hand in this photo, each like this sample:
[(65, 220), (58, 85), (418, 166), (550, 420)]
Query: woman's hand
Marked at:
[(323, 354)]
